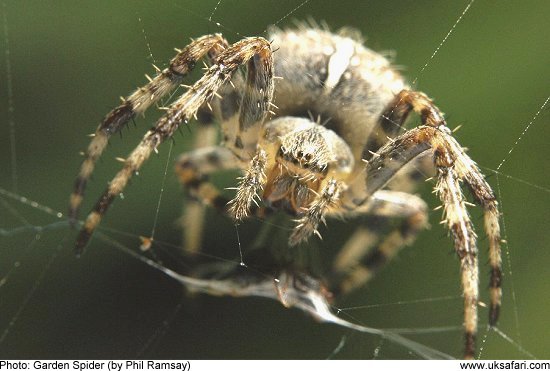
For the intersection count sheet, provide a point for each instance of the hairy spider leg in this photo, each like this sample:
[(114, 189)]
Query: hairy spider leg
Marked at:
[(452, 165), (137, 103), (255, 51), (365, 253)]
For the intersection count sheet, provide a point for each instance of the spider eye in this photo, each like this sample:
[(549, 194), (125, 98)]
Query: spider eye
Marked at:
[(305, 156)]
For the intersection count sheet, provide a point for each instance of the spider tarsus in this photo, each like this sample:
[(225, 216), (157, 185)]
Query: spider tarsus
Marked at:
[(81, 242), (494, 314), (470, 341)]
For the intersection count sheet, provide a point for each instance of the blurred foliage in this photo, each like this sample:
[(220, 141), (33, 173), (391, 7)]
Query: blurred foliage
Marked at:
[(71, 60)]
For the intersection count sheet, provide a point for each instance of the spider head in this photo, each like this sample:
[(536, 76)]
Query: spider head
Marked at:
[(306, 155)]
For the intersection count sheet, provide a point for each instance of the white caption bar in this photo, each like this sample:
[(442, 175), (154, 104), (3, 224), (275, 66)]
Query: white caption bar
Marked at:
[(188, 365)]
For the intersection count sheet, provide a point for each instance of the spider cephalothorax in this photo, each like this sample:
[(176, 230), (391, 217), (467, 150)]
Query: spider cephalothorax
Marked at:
[(308, 156), (306, 166), (359, 161)]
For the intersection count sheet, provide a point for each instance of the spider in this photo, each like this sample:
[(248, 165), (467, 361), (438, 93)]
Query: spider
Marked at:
[(354, 159)]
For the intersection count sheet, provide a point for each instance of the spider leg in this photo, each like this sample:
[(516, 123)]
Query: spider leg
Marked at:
[(389, 125), (453, 166), (256, 51), (412, 174), (226, 107), (394, 116), (241, 132), (407, 101), (193, 210), (249, 186), (315, 213), (138, 102), (364, 253), (397, 111), (192, 170)]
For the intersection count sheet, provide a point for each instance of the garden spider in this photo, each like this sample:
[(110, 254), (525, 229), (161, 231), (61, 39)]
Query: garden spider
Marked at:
[(358, 162)]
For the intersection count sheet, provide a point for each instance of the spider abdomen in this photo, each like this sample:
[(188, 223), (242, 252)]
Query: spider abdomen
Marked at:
[(333, 78)]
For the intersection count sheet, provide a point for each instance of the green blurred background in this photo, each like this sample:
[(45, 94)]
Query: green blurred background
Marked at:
[(70, 62)]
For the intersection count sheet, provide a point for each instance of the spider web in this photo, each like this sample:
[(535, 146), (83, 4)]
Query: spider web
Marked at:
[(485, 65)]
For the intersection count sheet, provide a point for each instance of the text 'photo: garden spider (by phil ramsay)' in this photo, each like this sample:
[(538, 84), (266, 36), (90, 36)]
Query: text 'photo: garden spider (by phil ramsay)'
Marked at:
[(316, 126)]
